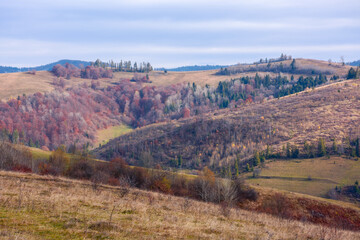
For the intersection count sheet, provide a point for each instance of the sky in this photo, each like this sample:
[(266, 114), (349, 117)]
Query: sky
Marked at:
[(177, 32)]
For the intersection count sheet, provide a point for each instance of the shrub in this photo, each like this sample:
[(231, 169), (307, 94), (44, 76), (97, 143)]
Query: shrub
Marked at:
[(277, 204), (117, 167), (162, 185), (180, 186), (113, 181), (59, 161), (81, 170), (21, 168), (244, 192), (12, 157), (46, 169)]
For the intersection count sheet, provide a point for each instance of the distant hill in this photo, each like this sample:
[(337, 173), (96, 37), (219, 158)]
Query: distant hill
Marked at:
[(354, 63), (47, 67), (290, 66), (192, 68)]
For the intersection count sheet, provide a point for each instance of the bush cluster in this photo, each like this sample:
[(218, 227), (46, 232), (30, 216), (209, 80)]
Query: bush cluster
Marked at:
[(118, 173)]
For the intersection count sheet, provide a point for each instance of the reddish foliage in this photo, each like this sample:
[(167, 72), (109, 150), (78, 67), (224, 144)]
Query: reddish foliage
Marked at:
[(81, 170), (92, 72), (306, 209), (162, 185), (186, 112), (46, 169), (113, 181), (45, 148), (21, 168), (68, 71)]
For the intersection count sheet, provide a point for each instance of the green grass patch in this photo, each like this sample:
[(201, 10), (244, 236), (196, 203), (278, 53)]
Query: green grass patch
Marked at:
[(35, 224), (38, 153), (105, 135), (309, 176)]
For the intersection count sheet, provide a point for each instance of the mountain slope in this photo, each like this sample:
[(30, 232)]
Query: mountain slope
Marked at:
[(47, 67), (354, 63), (294, 66), (218, 138)]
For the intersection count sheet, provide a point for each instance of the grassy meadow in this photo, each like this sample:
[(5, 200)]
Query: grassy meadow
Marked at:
[(309, 176), (105, 135), (42, 207)]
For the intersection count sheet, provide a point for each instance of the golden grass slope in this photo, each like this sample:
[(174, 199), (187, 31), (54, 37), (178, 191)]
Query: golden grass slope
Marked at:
[(40, 207), (309, 176), (15, 84)]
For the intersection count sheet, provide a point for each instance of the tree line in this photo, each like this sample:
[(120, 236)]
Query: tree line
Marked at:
[(124, 66), (280, 66)]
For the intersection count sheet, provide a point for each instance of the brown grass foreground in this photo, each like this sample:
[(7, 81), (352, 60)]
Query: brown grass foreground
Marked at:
[(41, 207)]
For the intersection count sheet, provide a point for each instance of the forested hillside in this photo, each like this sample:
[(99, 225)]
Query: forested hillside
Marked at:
[(72, 115), (225, 139)]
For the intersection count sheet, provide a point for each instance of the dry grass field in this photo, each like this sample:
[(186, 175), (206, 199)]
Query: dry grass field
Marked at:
[(41, 207), (309, 176), (15, 84)]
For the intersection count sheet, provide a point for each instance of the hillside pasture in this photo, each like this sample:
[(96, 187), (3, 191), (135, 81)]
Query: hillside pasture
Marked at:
[(309, 176), (42, 207)]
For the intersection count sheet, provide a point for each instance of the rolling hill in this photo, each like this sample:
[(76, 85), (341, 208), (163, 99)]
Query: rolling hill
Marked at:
[(354, 63), (292, 66), (19, 83), (218, 138), (192, 68), (47, 67), (172, 125)]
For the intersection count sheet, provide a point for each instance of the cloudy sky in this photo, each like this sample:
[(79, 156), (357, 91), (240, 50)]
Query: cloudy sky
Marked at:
[(171, 33)]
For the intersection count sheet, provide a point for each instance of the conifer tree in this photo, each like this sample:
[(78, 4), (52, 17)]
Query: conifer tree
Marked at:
[(267, 155), (262, 158), (293, 65), (321, 148), (229, 174), (247, 167), (15, 136), (236, 167), (288, 150), (256, 158), (334, 147), (180, 161)]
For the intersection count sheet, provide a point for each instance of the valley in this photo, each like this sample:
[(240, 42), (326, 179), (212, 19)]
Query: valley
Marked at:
[(180, 120), (257, 151)]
